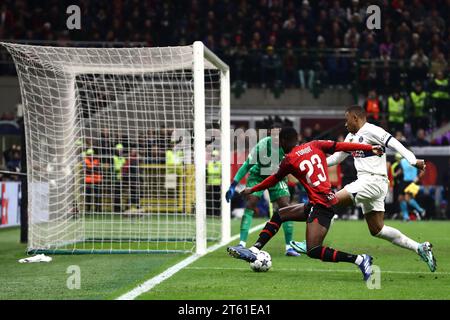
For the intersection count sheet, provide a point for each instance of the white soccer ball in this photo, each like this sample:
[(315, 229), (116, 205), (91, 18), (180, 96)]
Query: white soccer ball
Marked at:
[(262, 263)]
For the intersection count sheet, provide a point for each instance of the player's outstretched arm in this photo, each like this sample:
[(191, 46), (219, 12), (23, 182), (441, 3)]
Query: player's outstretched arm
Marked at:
[(349, 146), (284, 169), (242, 171), (336, 158), (329, 146), (265, 184), (340, 149), (246, 166), (390, 142), (407, 154)]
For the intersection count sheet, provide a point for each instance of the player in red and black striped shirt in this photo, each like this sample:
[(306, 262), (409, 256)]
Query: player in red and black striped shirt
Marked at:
[(307, 162)]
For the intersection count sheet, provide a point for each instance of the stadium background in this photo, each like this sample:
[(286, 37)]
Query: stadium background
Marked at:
[(299, 63), (286, 60)]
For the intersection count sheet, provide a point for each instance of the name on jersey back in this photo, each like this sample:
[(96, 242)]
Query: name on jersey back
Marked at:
[(303, 151)]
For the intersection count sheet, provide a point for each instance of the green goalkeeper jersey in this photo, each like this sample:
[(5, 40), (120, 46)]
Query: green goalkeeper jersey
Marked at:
[(260, 158)]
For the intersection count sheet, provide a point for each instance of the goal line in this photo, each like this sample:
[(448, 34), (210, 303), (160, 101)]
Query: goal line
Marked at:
[(151, 283)]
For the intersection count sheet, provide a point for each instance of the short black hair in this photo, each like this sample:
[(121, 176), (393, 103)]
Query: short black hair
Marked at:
[(357, 110), (288, 133)]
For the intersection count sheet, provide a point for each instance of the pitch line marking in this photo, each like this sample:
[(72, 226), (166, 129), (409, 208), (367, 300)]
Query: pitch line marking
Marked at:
[(320, 270), (152, 282)]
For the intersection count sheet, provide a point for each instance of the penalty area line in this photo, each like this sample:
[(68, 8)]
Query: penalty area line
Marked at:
[(151, 283)]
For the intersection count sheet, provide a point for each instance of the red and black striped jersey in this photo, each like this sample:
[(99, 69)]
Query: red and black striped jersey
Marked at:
[(307, 162)]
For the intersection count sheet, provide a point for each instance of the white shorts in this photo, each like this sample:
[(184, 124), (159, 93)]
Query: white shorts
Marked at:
[(369, 191)]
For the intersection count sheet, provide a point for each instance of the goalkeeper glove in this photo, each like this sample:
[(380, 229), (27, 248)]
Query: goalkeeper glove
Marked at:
[(231, 191)]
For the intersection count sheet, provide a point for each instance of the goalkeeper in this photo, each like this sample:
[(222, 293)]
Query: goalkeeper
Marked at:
[(258, 171)]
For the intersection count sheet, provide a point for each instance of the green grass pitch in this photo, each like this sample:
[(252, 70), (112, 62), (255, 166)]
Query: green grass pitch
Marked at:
[(218, 276)]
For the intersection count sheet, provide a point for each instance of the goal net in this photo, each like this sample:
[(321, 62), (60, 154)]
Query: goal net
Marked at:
[(127, 149)]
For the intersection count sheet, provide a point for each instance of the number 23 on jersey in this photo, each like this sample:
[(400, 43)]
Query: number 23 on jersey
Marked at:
[(316, 173)]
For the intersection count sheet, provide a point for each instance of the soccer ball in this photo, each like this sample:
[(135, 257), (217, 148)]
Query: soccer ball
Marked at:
[(262, 263)]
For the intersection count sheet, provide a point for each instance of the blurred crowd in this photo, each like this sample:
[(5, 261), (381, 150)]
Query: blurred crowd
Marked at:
[(278, 43), (402, 70), (12, 160), (11, 154), (413, 113), (266, 42), (408, 137)]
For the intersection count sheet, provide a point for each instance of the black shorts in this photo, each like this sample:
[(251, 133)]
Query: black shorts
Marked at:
[(320, 214)]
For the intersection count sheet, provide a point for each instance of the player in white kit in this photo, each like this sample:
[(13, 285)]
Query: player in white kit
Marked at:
[(371, 187)]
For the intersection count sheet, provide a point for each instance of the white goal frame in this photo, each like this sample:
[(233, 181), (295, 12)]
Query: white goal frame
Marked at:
[(202, 58), (200, 54)]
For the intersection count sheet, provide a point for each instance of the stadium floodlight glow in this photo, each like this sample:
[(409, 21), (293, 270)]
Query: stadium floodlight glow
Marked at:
[(100, 126)]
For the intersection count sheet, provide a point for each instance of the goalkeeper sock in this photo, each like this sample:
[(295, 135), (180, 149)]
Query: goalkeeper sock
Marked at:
[(246, 222), (327, 254), (288, 228), (396, 237), (269, 230)]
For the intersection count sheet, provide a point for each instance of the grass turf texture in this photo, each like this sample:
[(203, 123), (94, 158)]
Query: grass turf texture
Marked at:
[(112, 233), (102, 276), (218, 276), (403, 274)]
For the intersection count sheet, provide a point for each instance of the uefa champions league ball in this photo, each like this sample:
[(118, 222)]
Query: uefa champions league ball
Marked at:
[(262, 263)]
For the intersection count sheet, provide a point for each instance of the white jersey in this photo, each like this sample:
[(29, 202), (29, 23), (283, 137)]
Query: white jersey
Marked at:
[(368, 162)]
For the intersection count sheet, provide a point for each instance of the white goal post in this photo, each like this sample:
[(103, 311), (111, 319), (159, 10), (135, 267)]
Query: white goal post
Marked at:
[(128, 149)]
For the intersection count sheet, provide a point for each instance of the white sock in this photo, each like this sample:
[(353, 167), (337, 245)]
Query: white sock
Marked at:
[(242, 243), (288, 246), (359, 259), (254, 249), (396, 237)]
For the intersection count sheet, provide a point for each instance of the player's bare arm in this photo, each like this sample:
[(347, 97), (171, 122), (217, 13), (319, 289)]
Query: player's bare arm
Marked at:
[(420, 164)]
